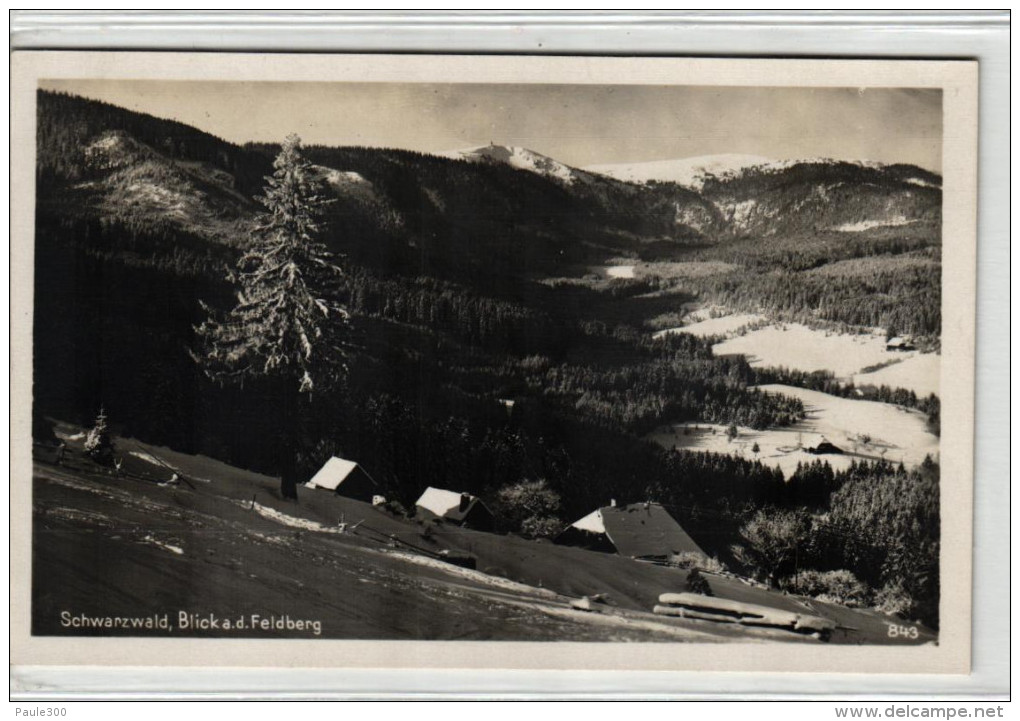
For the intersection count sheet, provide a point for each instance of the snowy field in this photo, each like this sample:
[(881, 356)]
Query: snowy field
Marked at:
[(620, 271), (612, 271), (869, 224), (862, 429), (796, 346), (715, 326), (919, 372)]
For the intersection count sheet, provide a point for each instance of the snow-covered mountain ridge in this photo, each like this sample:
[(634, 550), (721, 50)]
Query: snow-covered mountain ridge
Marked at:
[(689, 172), (520, 158), (693, 172)]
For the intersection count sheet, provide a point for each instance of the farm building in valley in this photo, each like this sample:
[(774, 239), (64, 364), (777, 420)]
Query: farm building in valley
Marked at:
[(460, 508), (824, 448), (640, 530), (899, 343), (345, 478)]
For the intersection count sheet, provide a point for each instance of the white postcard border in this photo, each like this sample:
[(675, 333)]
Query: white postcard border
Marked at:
[(958, 79)]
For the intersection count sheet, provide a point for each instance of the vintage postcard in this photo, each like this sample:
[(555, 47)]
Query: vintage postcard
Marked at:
[(492, 362)]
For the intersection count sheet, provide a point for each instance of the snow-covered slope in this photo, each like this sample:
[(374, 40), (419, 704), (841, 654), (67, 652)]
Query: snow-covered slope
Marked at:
[(517, 157), (689, 172), (348, 183), (131, 179)]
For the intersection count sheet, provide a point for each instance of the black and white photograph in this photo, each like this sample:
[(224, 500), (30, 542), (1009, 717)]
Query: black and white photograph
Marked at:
[(428, 358)]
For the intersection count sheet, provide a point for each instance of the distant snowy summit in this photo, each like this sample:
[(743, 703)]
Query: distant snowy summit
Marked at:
[(689, 172), (694, 172), (520, 158)]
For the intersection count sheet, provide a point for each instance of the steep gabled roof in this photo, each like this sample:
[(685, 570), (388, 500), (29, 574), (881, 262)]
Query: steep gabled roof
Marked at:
[(334, 472), (646, 529), (447, 504), (592, 523), (640, 529), (439, 501)]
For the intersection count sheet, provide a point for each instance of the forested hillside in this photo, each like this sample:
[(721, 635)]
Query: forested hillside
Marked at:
[(816, 196)]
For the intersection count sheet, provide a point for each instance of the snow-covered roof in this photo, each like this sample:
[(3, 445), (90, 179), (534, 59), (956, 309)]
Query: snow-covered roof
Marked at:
[(439, 501), (447, 504), (332, 474), (592, 523)]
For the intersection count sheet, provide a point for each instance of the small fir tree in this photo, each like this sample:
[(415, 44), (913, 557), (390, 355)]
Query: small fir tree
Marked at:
[(98, 444), (696, 583)]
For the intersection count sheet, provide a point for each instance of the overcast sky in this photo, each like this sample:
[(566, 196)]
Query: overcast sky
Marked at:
[(577, 124)]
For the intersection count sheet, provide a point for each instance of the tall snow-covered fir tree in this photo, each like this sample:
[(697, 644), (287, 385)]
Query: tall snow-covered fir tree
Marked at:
[(288, 324)]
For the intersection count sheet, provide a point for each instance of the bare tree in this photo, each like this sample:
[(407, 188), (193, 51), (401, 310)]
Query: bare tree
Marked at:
[(771, 541)]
